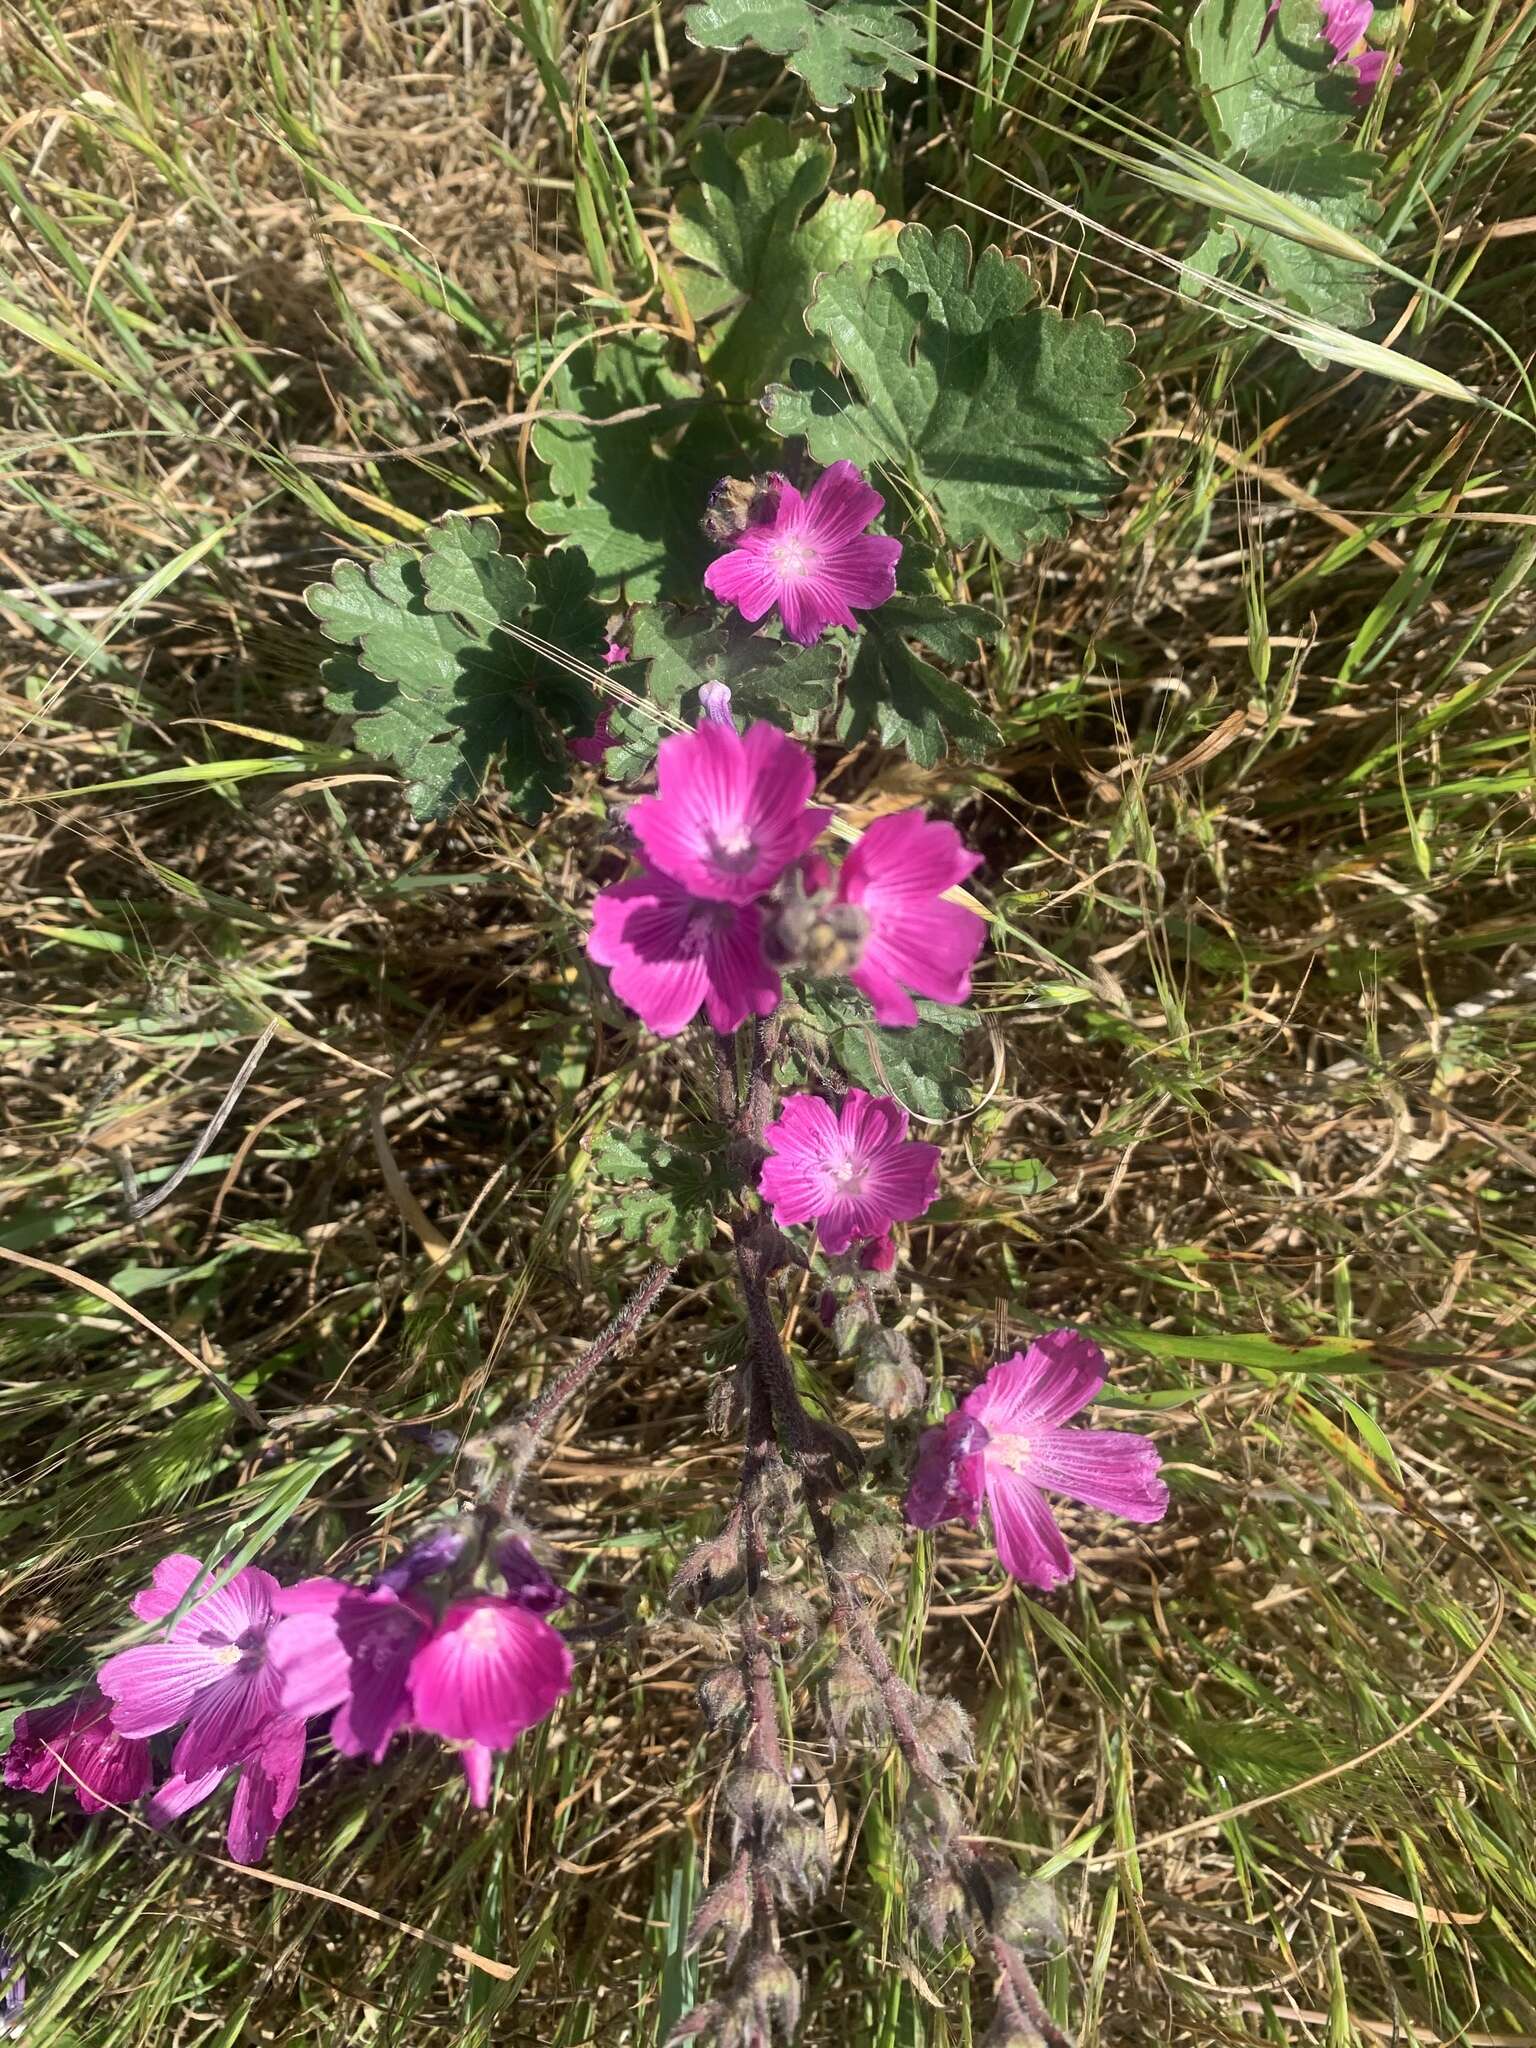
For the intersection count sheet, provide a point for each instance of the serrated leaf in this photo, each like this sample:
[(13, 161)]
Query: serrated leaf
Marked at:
[(631, 496), (1333, 184), (772, 679), (997, 410), (756, 249), (659, 1194), (1262, 94), (839, 47), (437, 682), (910, 703), (920, 1067)]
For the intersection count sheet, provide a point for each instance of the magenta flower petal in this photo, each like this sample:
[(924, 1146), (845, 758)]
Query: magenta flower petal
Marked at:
[(1030, 1545), (76, 1744), (477, 1761), (853, 1173), (594, 747), (491, 1670), (947, 1477), (269, 1784), (897, 874), (1102, 1468), (810, 556), (226, 1719), (731, 812), (1344, 23), (170, 1582), (350, 1650), (670, 953), (313, 1672), (179, 1794), (154, 1685), (1368, 67), (1059, 1374)]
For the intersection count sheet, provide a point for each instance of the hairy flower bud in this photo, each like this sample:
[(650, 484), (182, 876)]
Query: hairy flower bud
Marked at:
[(725, 1909), (1020, 1911), (731, 506), (851, 1701), (710, 1571), (850, 1323), (799, 1861), (722, 1695), (724, 1406), (944, 1727), (785, 1616), (938, 1905), (757, 1797), (890, 1378), (1011, 2028), (866, 1549), (774, 1990), (932, 1823)]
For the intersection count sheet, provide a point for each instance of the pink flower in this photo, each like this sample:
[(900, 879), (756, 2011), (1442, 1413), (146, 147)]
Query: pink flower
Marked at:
[(339, 1647), (76, 1743), (491, 1670), (853, 1174), (264, 1793), (211, 1670), (615, 654), (1344, 25), (896, 875), (595, 745), (810, 556), (879, 1255), (1005, 1441), (731, 811), (668, 952)]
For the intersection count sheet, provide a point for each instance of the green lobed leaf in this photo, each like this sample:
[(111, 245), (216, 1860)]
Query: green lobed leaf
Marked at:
[(997, 410), (756, 249), (910, 703), (920, 1067), (631, 496), (659, 1193), (1261, 97), (437, 682), (683, 650), (1334, 184), (839, 47)]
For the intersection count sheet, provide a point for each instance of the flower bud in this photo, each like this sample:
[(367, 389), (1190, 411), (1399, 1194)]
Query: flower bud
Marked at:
[(850, 1323), (867, 1549), (799, 1861), (890, 1379), (933, 1821), (785, 1616), (757, 1797), (938, 1905), (944, 1727), (826, 1308), (725, 1909), (1021, 1911), (527, 1581), (732, 505), (710, 1571), (722, 1695), (851, 1700), (429, 1555), (775, 1993)]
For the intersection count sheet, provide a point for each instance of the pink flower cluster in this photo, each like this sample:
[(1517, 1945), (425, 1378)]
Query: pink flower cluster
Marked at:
[(726, 837), (248, 1663), (1005, 1443)]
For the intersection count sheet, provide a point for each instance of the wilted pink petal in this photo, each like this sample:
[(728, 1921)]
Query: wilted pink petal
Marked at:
[(946, 1477), (810, 556), (339, 1647), (269, 1784), (852, 1173), (1022, 1449), (670, 953), (491, 1670), (731, 812), (1368, 67), (592, 749), (76, 1744), (896, 875), (527, 1581), (879, 1255)]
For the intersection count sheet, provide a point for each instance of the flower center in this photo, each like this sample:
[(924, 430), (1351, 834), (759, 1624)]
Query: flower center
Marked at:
[(850, 1176), (704, 920), (480, 1631), (1012, 1451), (734, 850), (793, 558)]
